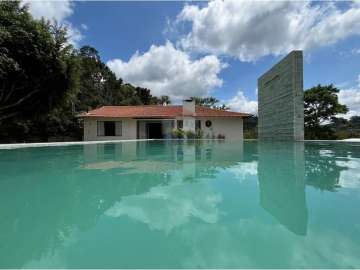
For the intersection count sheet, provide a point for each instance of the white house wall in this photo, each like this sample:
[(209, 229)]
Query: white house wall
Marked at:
[(90, 129), (231, 128)]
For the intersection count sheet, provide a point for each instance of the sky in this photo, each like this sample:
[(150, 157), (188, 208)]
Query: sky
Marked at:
[(216, 48)]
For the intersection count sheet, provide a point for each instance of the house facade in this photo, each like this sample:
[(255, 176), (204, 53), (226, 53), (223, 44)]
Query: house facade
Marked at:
[(157, 122)]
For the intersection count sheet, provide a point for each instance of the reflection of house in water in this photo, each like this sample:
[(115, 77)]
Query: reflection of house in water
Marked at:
[(282, 184), (192, 159)]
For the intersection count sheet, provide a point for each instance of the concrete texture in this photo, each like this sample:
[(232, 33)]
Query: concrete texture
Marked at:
[(281, 100)]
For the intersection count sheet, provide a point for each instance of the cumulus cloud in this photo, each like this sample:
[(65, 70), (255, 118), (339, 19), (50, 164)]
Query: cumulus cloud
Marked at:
[(168, 71), (241, 103), (249, 30), (167, 207), (51, 10), (349, 178), (351, 98), (244, 170), (56, 11)]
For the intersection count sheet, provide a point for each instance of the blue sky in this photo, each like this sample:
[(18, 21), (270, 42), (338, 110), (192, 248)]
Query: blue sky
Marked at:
[(217, 48)]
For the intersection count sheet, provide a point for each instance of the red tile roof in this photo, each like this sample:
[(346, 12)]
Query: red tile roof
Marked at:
[(157, 111)]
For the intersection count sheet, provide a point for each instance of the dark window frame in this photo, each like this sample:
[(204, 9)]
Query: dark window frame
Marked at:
[(101, 131), (109, 128), (178, 125), (197, 124)]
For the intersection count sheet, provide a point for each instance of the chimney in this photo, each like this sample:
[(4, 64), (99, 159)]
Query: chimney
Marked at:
[(188, 107)]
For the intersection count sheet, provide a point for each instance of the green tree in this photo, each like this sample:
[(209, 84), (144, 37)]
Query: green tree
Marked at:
[(355, 122), (320, 106), (164, 100), (210, 102), (98, 84), (250, 127), (38, 72), (36, 64)]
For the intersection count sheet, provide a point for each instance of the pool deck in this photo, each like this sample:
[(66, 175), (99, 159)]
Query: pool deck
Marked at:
[(46, 144)]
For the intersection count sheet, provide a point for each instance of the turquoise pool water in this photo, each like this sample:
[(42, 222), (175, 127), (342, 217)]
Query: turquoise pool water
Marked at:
[(181, 205)]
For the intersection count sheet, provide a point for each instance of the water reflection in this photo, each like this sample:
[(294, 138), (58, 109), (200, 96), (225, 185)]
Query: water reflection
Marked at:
[(281, 173), (326, 164), (57, 196)]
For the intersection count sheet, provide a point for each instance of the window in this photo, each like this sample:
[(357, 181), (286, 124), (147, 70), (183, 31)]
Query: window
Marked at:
[(197, 124), (208, 123), (180, 124), (109, 128)]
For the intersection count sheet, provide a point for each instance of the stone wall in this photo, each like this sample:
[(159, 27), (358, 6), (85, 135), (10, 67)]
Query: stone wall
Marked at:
[(281, 95)]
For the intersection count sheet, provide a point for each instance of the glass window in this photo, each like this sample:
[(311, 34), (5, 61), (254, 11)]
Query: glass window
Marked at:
[(118, 128), (109, 128), (100, 128), (197, 124), (180, 124)]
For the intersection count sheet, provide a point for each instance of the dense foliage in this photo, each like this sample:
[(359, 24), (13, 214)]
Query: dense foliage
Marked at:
[(45, 82), (321, 105), (210, 102), (321, 120), (250, 127)]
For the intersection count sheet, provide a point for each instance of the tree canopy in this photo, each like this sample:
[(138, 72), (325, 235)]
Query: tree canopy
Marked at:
[(45, 82), (37, 66), (321, 105), (210, 102)]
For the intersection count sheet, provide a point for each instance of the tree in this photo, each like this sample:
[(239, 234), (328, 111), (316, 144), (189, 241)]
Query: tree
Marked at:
[(210, 102), (164, 100), (355, 122), (250, 127), (320, 106), (36, 64), (98, 84)]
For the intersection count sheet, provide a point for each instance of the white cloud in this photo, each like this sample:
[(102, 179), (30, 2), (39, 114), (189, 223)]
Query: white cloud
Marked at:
[(355, 51), (249, 30), (84, 26), (244, 170), (166, 207), (349, 178), (56, 11), (51, 10), (351, 98), (241, 103), (74, 35), (169, 71)]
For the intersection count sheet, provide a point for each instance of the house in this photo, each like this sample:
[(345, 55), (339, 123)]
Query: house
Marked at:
[(158, 121)]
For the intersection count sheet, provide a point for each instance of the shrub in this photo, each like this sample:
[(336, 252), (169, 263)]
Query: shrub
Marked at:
[(190, 134), (178, 133), (221, 137), (199, 134)]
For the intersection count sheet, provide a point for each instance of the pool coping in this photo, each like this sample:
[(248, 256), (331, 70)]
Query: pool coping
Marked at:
[(47, 144), (7, 146)]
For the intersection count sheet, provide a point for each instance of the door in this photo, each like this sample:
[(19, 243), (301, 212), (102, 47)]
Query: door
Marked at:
[(154, 130)]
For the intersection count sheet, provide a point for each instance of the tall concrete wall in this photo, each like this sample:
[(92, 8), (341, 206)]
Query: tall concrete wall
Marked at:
[(281, 100)]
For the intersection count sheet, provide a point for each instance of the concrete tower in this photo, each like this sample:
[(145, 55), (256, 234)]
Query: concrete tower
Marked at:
[(281, 100)]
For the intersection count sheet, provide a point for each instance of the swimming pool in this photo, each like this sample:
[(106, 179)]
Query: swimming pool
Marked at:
[(174, 204)]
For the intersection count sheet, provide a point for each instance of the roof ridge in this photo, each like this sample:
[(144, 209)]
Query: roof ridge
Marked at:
[(148, 105)]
